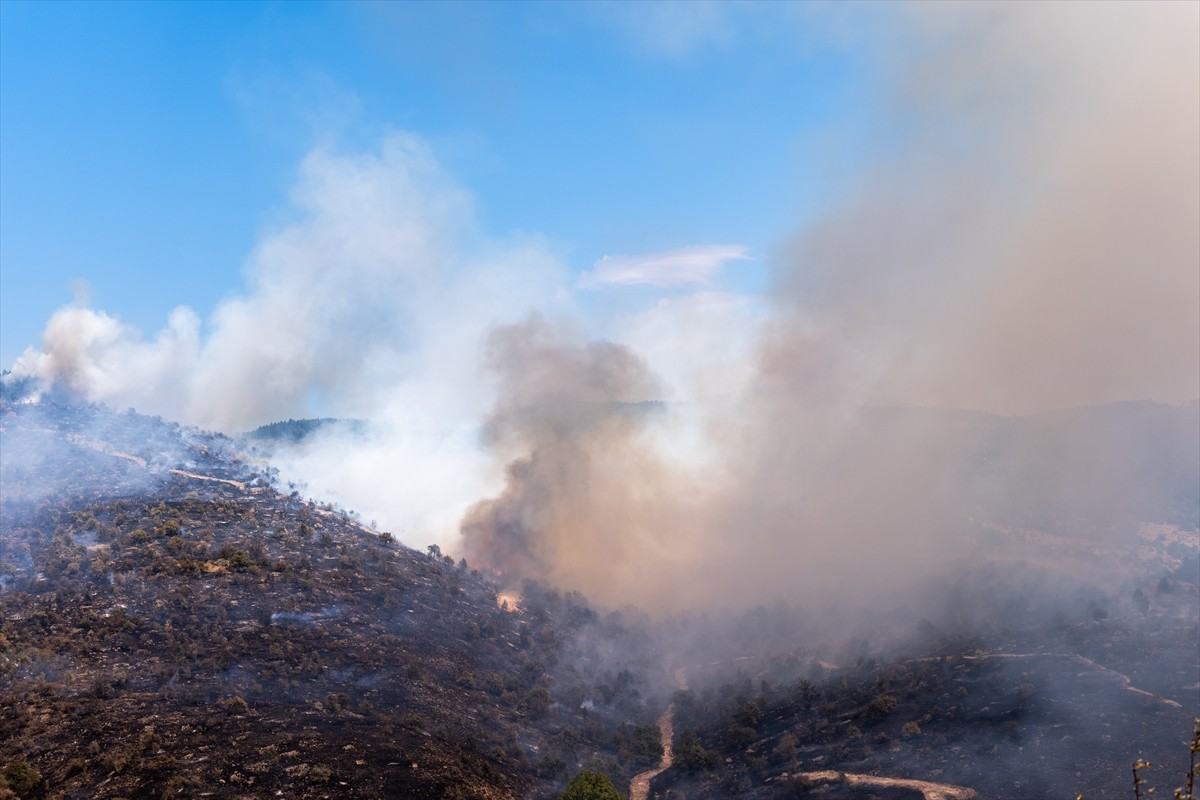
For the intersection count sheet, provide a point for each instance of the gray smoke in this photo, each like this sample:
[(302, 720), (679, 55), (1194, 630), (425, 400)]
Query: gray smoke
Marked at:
[(1021, 236), (1027, 242)]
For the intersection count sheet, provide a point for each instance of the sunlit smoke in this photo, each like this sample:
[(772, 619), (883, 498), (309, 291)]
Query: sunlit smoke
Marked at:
[(1023, 237), (587, 494)]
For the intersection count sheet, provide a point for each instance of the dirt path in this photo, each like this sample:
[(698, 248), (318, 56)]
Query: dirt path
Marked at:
[(930, 791), (227, 481), (639, 787), (1124, 679), (101, 447)]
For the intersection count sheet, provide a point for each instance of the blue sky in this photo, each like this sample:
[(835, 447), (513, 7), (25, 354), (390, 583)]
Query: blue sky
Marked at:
[(145, 148)]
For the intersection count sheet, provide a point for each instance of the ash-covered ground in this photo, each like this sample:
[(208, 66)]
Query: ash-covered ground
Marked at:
[(174, 625)]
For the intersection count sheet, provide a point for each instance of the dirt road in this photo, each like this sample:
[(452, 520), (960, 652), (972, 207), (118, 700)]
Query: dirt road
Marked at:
[(639, 787), (930, 791)]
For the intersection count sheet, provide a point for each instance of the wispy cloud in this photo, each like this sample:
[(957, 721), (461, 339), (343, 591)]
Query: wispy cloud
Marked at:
[(681, 266)]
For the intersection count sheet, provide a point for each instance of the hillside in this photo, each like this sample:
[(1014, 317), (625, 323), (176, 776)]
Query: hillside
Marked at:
[(1053, 690), (173, 625), (170, 625)]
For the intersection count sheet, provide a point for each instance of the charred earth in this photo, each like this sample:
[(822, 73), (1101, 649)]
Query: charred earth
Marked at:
[(171, 625)]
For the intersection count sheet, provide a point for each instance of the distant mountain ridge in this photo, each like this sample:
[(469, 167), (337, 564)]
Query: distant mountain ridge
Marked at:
[(294, 431)]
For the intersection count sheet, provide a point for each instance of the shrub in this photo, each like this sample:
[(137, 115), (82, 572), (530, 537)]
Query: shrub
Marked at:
[(691, 756), (786, 748), (537, 701), (881, 706), (590, 785), (22, 777)]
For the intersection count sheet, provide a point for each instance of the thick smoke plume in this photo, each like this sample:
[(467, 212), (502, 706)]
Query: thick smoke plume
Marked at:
[(588, 495), (371, 302), (1030, 242), (1027, 242), (1022, 236), (346, 303)]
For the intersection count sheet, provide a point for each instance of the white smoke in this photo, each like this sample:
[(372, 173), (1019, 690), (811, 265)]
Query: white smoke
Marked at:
[(104, 359), (371, 303), (1024, 239), (381, 281)]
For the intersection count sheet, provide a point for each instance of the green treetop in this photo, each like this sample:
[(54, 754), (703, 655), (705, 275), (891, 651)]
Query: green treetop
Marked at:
[(589, 785)]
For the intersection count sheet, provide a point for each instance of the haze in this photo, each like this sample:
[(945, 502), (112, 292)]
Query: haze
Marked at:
[(1007, 221)]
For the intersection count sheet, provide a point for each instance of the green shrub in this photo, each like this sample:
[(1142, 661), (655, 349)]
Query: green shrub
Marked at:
[(22, 777), (590, 785)]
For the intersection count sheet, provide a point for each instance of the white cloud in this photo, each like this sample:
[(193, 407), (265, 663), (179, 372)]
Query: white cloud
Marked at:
[(681, 266)]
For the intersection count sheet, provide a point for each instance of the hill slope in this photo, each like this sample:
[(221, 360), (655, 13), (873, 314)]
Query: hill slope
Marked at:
[(172, 626)]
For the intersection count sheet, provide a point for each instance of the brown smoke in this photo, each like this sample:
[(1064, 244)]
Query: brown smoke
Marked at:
[(1026, 240), (587, 497), (594, 501), (1020, 233), (1031, 241)]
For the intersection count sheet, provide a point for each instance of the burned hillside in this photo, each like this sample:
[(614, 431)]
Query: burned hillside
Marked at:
[(1053, 691), (171, 625)]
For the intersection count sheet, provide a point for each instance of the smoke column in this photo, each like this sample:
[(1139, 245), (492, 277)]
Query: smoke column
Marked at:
[(1027, 242), (1023, 237)]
